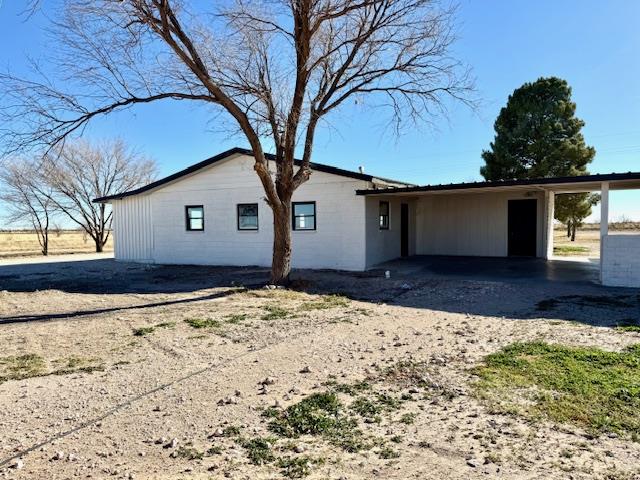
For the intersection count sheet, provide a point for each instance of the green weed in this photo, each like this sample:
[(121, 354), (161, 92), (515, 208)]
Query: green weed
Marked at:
[(589, 387)]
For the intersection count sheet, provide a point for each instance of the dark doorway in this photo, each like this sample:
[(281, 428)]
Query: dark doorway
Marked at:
[(523, 219), (404, 230)]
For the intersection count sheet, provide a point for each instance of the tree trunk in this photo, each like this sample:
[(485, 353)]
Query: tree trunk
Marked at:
[(568, 229), (573, 231), (45, 244), (99, 245), (281, 263)]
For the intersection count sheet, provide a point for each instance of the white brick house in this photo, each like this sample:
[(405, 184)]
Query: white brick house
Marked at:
[(213, 213)]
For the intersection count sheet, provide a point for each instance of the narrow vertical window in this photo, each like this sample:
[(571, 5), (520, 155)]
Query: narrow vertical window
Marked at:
[(304, 215), (195, 218), (384, 215), (248, 216)]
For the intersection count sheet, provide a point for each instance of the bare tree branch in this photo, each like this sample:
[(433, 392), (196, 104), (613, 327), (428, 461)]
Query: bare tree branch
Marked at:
[(275, 68)]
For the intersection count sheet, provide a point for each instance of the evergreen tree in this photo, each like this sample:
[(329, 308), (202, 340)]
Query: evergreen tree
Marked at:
[(537, 136)]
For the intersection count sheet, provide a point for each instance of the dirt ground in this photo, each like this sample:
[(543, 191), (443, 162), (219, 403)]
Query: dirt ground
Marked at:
[(25, 243), (587, 242), (175, 402)]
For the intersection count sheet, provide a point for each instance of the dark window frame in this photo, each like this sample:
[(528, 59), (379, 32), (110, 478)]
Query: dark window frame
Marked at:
[(384, 225), (252, 229), (188, 218), (293, 216)]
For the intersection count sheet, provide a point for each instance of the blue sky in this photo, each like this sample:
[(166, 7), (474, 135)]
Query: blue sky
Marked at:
[(592, 44)]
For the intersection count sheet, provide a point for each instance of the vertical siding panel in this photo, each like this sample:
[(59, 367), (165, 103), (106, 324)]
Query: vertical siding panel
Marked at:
[(132, 229)]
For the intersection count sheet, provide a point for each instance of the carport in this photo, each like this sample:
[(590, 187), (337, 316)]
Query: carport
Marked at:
[(501, 219)]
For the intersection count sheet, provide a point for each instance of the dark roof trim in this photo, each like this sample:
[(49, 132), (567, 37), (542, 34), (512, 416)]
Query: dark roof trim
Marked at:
[(242, 151), (506, 183)]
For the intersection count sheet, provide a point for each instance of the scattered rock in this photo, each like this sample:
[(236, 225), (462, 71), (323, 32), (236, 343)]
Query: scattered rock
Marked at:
[(268, 381), (306, 369), (59, 455), (172, 444), (18, 464), (438, 360), (473, 463)]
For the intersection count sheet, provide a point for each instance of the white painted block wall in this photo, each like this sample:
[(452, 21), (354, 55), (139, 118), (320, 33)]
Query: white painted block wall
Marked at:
[(471, 224), (383, 245), (621, 260), (338, 241)]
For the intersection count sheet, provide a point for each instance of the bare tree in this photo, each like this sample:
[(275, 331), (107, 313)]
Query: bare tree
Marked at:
[(274, 68), (78, 172), (28, 202)]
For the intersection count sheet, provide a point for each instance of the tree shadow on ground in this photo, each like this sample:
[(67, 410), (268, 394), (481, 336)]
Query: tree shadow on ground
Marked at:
[(106, 276), (515, 293)]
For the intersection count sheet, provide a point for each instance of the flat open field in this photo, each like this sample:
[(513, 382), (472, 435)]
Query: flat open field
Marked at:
[(25, 243), (111, 370), (587, 243)]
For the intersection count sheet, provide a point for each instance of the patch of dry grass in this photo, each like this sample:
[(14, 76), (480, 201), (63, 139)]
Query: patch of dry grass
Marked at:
[(25, 243)]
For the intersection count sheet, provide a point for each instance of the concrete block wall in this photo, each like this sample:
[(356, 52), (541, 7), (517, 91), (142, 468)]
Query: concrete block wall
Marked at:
[(621, 260)]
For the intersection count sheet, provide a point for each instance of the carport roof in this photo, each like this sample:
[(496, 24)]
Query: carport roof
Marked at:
[(583, 183)]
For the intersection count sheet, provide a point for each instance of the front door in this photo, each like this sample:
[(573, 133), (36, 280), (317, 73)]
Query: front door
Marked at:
[(523, 216), (404, 230)]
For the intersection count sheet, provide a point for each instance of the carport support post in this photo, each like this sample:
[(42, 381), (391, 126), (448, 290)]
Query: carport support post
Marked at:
[(549, 203), (604, 219)]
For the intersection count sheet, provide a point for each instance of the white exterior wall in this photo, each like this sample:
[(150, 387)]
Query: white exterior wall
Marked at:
[(621, 260), (471, 224), (132, 229), (383, 245), (338, 241)]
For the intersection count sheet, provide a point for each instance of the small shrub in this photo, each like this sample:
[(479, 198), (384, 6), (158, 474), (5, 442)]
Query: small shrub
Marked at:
[(325, 302), (142, 331), (275, 312), (231, 431), (408, 418), (366, 407), (319, 414), (189, 453), (214, 450), (237, 318), (351, 389), (259, 450), (314, 415), (388, 453), (202, 322), (166, 325), (297, 467)]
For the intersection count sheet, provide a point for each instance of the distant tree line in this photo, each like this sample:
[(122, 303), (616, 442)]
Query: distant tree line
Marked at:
[(64, 182)]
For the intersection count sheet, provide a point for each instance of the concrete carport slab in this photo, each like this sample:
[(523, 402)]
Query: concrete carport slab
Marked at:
[(515, 270)]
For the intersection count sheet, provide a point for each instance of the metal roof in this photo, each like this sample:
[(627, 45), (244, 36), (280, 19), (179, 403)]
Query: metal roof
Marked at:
[(241, 151), (581, 183)]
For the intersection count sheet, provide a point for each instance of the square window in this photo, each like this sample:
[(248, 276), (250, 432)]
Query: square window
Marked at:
[(248, 216), (195, 217), (304, 215), (384, 215)]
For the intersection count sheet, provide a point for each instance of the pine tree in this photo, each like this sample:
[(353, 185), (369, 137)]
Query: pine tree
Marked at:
[(538, 136)]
